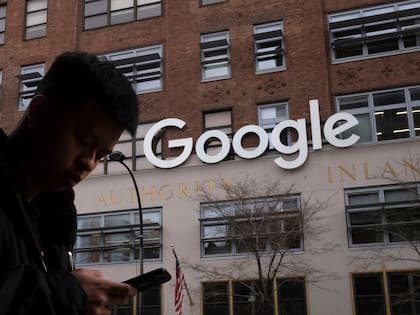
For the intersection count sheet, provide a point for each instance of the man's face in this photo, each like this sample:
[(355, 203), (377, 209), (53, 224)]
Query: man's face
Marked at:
[(70, 145)]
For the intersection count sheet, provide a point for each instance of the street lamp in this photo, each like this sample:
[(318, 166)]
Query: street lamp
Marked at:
[(118, 156)]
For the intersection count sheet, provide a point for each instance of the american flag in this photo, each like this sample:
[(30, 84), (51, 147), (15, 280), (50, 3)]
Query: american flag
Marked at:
[(179, 285)]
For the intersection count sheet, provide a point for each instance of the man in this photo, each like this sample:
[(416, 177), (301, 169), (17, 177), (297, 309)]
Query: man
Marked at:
[(81, 107)]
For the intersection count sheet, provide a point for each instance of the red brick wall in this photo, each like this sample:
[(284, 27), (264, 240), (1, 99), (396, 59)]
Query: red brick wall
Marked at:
[(309, 73)]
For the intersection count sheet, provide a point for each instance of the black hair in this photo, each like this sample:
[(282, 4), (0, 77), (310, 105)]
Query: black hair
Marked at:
[(77, 77)]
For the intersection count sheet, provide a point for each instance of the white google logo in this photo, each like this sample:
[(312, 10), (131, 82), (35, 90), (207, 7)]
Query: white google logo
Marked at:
[(335, 125)]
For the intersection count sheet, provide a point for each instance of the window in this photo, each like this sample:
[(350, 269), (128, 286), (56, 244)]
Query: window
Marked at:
[(268, 45), (29, 78), (142, 66), (369, 294), (402, 290), (114, 237), (217, 120), (151, 304), (99, 13), (133, 150), (384, 115), (216, 298), (375, 31), (2, 22), (383, 215), (269, 115), (208, 2), (36, 19), (237, 227), (215, 56), (246, 298)]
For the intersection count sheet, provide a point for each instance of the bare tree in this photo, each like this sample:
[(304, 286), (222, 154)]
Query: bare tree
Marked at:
[(267, 221)]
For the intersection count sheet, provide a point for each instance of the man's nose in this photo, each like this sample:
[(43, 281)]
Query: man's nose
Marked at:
[(88, 161)]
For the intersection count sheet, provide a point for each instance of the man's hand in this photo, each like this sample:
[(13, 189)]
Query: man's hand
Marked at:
[(102, 294)]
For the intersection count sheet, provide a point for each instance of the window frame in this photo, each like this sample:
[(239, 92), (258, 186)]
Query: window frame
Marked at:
[(136, 65), (148, 296), (101, 232), (211, 43), (221, 214), (29, 78), (42, 25), (409, 107), (214, 145), (3, 16), (386, 295), (269, 124), (230, 301), (398, 13), (273, 34), (106, 12), (204, 3), (382, 210)]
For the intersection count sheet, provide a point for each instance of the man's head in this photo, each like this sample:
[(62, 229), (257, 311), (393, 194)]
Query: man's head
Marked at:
[(82, 106), (77, 77)]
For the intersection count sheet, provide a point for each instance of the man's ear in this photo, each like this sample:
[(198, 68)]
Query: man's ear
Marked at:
[(37, 111)]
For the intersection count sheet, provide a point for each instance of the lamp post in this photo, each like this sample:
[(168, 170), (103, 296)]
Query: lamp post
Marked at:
[(118, 156)]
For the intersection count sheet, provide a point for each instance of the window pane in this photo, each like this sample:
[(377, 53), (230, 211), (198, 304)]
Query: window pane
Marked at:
[(217, 247), (148, 218), (213, 231), (96, 21), (122, 16), (217, 119), (382, 45), (89, 222), (366, 227), (121, 4), (392, 124), (117, 238), (96, 7), (291, 296), (388, 98), (416, 118), (91, 240), (207, 2), (34, 5), (145, 2), (353, 102), (36, 31), (363, 198), (363, 129), (117, 255), (149, 252), (117, 220), (36, 18), (215, 298), (2, 11), (401, 194), (87, 257), (145, 12), (369, 296)]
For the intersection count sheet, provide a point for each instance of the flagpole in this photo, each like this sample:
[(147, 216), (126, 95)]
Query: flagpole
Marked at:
[(185, 282)]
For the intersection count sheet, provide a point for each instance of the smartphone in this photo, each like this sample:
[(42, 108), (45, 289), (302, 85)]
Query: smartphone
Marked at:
[(149, 279)]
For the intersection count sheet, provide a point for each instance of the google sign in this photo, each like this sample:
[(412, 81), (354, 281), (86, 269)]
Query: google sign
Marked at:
[(334, 126)]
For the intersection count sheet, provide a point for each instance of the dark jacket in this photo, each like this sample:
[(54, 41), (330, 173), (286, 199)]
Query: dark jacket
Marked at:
[(34, 272)]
